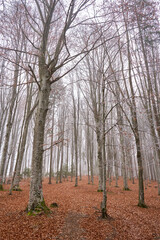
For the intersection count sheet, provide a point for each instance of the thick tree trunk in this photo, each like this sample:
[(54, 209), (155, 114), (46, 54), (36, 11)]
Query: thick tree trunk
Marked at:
[(36, 194)]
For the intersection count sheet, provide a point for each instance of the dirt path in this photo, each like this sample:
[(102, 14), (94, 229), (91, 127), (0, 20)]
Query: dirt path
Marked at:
[(72, 229)]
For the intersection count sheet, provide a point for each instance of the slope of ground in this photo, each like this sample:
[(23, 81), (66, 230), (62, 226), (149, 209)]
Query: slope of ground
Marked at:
[(77, 216)]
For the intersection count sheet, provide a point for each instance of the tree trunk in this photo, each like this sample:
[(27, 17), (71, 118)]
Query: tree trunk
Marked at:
[(58, 156), (36, 194), (51, 152), (80, 154), (141, 202), (61, 168), (23, 139), (72, 157), (100, 183), (9, 122), (104, 201), (91, 158), (67, 159)]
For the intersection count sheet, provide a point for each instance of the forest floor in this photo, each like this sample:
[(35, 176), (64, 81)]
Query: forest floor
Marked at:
[(78, 214)]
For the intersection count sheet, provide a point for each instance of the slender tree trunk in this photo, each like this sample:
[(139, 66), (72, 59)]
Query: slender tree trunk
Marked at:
[(76, 156), (9, 122), (104, 201), (72, 156), (61, 168), (88, 145), (13, 147), (51, 152), (67, 159), (2, 124), (23, 139), (58, 156), (80, 154), (91, 158), (88, 155), (99, 142), (76, 125)]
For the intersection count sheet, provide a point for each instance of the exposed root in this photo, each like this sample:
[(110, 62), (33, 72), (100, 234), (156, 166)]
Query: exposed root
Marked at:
[(99, 190), (17, 188), (142, 205), (126, 189)]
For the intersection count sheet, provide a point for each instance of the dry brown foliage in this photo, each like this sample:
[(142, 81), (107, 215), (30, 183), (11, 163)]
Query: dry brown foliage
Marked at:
[(78, 215)]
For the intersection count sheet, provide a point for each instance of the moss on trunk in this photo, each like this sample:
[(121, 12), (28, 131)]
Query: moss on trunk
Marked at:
[(1, 187), (40, 209)]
